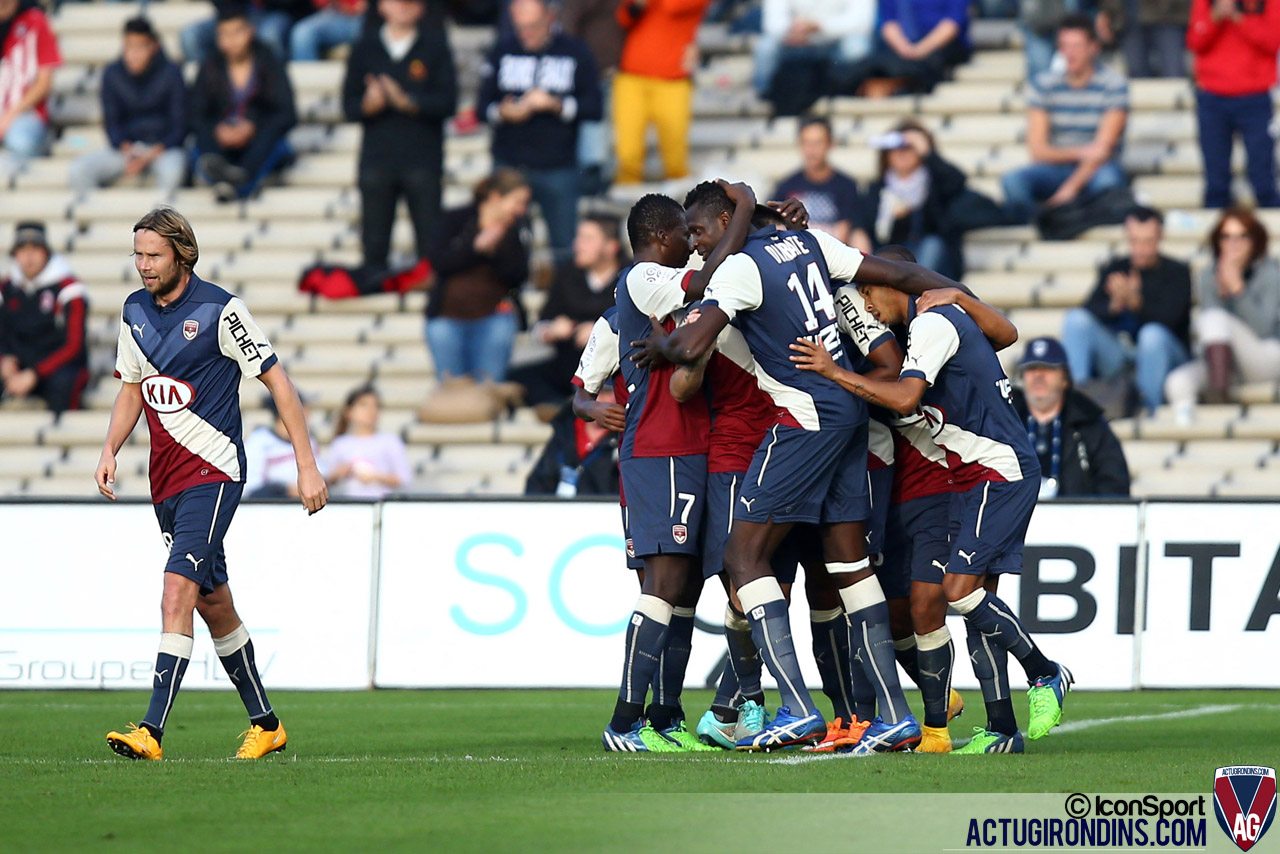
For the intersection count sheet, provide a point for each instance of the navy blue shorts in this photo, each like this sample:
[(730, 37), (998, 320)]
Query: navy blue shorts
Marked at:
[(991, 526), (918, 545), (807, 476), (193, 523), (633, 562), (803, 544), (880, 487), (722, 497), (666, 500)]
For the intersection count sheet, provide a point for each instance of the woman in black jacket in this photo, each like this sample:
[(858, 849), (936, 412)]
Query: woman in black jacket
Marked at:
[(911, 198), (480, 258), (241, 110)]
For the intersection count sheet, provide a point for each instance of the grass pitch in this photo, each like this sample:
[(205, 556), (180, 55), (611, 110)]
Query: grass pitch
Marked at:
[(500, 770)]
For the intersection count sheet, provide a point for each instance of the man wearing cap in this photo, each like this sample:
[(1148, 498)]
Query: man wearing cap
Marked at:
[(43, 308), (145, 117), (1079, 455)]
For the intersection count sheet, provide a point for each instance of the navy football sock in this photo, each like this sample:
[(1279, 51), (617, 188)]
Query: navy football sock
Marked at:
[(936, 654), (171, 665), (904, 652), (991, 666), (744, 657), (996, 621), (668, 680), (868, 612), (235, 651), (725, 703), (646, 637), (766, 609), (830, 633)]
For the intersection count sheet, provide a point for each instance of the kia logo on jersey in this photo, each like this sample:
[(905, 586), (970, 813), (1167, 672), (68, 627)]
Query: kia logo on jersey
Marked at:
[(190, 328), (1244, 799), (165, 394)]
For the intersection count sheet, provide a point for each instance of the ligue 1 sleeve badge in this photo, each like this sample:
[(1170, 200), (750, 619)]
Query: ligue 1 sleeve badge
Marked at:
[(1244, 799)]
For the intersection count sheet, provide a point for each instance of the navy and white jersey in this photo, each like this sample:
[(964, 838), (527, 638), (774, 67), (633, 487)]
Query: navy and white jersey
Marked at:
[(189, 357), (856, 323), (968, 403), (657, 426), (599, 360), (778, 289)]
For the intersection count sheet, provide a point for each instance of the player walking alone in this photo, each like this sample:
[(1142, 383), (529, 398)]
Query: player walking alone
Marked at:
[(184, 345)]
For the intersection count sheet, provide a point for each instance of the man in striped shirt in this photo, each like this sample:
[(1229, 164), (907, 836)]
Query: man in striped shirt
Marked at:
[(1075, 127)]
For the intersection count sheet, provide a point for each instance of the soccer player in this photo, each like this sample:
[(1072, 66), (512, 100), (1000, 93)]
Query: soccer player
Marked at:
[(915, 540), (663, 459), (184, 345), (811, 467), (952, 369)]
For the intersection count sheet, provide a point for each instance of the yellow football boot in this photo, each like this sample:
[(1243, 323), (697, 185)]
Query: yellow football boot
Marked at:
[(934, 740), (955, 706), (137, 743), (258, 742)]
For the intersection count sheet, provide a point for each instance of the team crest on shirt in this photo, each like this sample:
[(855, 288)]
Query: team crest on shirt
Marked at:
[(631, 547), (680, 534), (47, 302), (417, 70), (190, 328)]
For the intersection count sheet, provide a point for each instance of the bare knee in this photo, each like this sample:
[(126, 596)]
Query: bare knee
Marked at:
[(929, 613), (956, 586)]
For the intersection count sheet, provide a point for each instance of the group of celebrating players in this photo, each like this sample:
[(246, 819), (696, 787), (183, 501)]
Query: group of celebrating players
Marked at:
[(796, 403)]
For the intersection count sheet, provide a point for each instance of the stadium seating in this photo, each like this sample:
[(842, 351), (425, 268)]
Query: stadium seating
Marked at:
[(259, 247)]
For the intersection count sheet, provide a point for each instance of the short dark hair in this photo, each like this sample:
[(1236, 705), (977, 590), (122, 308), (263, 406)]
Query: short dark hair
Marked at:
[(652, 214), (811, 120), (606, 222), (140, 26), (710, 195), (1145, 213), (232, 12), (1076, 21), (765, 216), (896, 252)]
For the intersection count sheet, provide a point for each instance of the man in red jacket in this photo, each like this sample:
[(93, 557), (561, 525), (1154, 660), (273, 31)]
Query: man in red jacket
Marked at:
[(43, 308), (1235, 44)]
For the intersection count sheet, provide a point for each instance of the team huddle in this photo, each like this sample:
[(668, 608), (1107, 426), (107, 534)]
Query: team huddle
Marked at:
[(796, 403)]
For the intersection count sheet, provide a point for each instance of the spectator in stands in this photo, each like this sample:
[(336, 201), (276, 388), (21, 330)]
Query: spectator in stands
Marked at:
[(362, 462), (43, 312), (580, 292), (241, 110), (1139, 312), (400, 85), (271, 468), (480, 258), (1153, 37), (271, 20), (580, 458), (1238, 328), (144, 113), (654, 85), (922, 40), (596, 23), (1079, 455), (1075, 128), (825, 31), (28, 55), (832, 198), (911, 197), (333, 23), (1235, 45), (535, 90)]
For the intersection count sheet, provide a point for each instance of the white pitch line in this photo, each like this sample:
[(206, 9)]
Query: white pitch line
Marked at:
[(1069, 726)]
